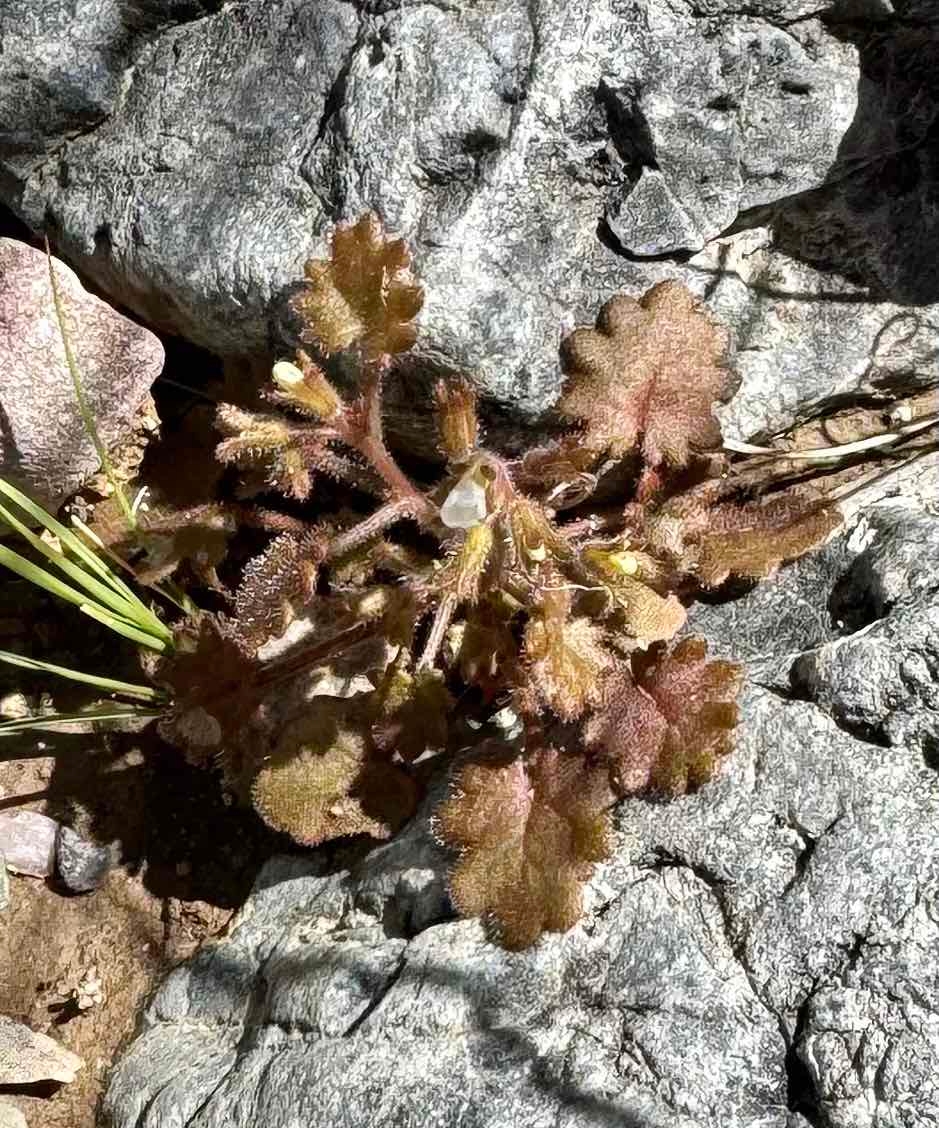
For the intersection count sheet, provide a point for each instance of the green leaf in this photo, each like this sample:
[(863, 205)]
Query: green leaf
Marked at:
[(84, 409), (40, 576), (64, 534), (102, 714), (101, 585), (128, 689), (102, 593), (121, 626)]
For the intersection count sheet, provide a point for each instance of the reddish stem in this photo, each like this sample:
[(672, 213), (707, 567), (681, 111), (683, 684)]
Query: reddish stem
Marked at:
[(369, 528), (442, 617), (363, 432)]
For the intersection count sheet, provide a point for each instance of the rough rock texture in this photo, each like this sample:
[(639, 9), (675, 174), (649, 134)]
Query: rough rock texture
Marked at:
[(27, 1056), (44, 444), (189, 157), (27, 842), (11, 1117), (82, 865), (760, 955)]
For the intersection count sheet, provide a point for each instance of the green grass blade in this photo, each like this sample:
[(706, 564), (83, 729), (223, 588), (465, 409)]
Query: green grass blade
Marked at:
[(71, 541), (128, 689), (65, 535), (175, 594), (167, 589), (122, 627), (104, 586), (84, 409), (101, 593), (40, 576), (52, 720), (97, 545)]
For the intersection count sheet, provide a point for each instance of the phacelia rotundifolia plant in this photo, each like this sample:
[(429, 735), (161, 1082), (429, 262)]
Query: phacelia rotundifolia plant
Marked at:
[(552, 583)]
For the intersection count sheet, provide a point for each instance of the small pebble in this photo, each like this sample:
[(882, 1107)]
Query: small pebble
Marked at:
[(26, 1056), (14, 706), (82, 865), (27, 841)]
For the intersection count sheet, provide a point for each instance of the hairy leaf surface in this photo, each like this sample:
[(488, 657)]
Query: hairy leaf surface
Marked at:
[(363, 294), (276, 585), (529, 830), (666, 726), (648, 375), (325, 779)]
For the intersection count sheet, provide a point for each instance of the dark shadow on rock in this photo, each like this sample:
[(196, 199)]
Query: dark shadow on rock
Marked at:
[(875, 219), (231, 977), (12, 227)]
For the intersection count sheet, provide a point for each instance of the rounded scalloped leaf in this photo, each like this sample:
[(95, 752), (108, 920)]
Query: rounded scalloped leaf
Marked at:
[(529, 830), (363, 294), (648, 375), (326, 781)]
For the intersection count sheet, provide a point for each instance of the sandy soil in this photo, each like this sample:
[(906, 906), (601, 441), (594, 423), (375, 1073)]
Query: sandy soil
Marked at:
[(81, 967)]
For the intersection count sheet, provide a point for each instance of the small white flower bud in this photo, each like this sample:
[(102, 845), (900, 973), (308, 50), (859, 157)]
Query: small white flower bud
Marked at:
[(466, 503), (286, 376)]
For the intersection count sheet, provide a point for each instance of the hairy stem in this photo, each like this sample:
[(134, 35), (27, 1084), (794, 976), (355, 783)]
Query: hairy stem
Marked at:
[(255, 517), (442, 617), (368, 529), (367, 437)]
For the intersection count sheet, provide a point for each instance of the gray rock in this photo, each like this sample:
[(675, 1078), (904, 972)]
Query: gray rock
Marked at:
[(190, 165), (759, 955), (881, 681), (27, 842), (720, 116), (82, 865), (26, 1056), (804, 340), (4, 883), (45, 448)]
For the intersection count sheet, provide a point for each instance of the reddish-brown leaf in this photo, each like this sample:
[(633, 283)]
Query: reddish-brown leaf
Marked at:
[(364, 293), (213, 680), (709, 539), (648, 376), (752, 540), (666, 726), (413, 713), (529, 830), (326, 780), (566, 656), (165, 538), (276, 585)]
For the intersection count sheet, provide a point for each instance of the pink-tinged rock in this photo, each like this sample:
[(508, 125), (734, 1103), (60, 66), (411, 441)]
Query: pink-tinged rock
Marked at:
[(44, 447), (27, 1057), (27, 842)]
